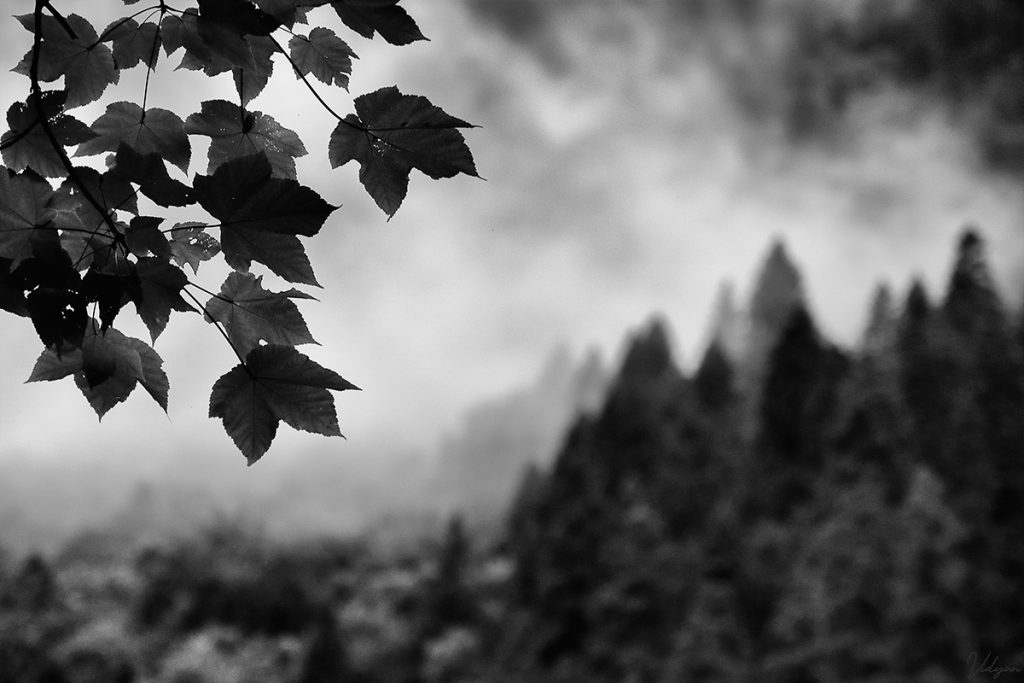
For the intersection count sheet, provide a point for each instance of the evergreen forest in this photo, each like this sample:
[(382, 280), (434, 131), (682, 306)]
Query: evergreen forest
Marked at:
[(789, 511)]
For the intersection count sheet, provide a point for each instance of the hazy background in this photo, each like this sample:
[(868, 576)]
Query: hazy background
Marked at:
[(636, 154)]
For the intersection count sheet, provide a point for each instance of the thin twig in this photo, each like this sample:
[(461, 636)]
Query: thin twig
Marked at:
[(61, 20), (48, 129), (220, 328), (298, 72)]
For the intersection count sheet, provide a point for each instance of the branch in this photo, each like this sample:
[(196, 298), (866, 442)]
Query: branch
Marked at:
[(13, 140), (220, 328), (309, 85), (60, 19), (48, 129)]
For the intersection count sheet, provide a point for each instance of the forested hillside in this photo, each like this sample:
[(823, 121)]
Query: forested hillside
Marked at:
[(790, 511)]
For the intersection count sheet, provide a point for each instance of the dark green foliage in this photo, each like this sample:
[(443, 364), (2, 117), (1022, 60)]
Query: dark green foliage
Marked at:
[(714, 382), (797, 406), (73, 256), (860, 530)]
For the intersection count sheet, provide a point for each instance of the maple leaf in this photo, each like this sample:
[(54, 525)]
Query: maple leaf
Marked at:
[(276, 383), (23, 210), (150, 173), (191, 245), (26, 144), (133, 44), (86, 64), (84, 233), (385, 17), (390, 135), (223, 35), (235, 132), (209, 46), (106, 368), (110, 285), (50, 367), (144, 237), (160, 286), (323, 54), (260, 216), (147, 131), (238, 17), (285, 11), (12, 296), (251, 314), (250, 82), (154, 379), (110, 190), (55, 301)]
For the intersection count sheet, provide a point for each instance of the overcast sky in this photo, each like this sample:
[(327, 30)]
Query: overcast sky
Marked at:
[(621, 180)]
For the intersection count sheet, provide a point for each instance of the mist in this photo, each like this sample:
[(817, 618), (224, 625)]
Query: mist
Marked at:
[(636, 155)]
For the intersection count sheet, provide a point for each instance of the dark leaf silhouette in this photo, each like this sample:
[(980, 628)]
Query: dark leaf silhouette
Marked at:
[(276, 383), (154, 130), (12, 296), (252, 315), (26, 144), (86, 65), (191, 245), (261, 215), (23, 208), (237, 133), (106, 368), (154, 379), (210, 46), (250, 82), (160, 286), (288, 12), (74, 252), (110, 191), (385, 17), (133, 44), (238, 17), (150, 174), (323, 54), (390, 135), (110, 286), (144, 238)]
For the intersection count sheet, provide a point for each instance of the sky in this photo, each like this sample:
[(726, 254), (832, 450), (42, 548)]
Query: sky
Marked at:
[(622, 177)]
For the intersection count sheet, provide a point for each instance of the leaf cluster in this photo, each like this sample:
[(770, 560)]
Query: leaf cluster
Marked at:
[(80, 241)]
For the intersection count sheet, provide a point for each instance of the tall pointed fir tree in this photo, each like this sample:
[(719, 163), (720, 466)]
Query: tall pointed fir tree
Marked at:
[(874, 429), (797, 410), (991, 391), (778, 292)]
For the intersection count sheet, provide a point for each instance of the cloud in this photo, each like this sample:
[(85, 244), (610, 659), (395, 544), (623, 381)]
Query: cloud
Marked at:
[(628, 174)]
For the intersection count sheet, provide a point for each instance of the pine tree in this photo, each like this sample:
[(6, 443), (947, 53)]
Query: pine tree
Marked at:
[(797, 410), (991, 387), (523, 533), (778, 292), (728, 327), (874, 429), (714, 382)]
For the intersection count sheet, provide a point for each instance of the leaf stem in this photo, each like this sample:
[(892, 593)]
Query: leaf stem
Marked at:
[(118, 24), (186, 227), (61, 20), (13, 140), (305, 80), (220, 328), (48, 129), (215, 295)]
